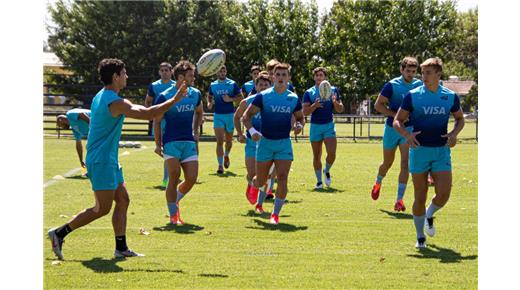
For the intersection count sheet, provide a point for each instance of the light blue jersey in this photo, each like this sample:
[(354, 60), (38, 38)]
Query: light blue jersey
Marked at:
[(257, 119), (78, 126), (179, 118), (320, 115), (247, 87), (430, 113), (157, 87), (218, 89), (105, 130), (276, 111), (395, 90)]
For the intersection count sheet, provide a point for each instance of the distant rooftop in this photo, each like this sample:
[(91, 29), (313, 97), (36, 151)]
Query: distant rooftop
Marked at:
[(51, 60), (461, 88)]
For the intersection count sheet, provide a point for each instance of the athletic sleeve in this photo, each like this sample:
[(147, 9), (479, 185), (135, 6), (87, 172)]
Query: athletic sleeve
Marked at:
[(72, 115), (151, 92), (161, 99), (307, 97), (210, 92), (110, 98), (200, 98), (77, 135), (407, 103), (456, 104), (236, 89), (387, 91), (258, 101), (338, 95), (290, 87), (298, 106)]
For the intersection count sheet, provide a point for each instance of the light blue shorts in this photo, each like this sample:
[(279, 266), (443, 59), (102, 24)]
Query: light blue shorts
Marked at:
[(322, 131), (269, 149), (392, 138), (432, 159), (105, 176), (250, 149), (184, 151), (224, 121)]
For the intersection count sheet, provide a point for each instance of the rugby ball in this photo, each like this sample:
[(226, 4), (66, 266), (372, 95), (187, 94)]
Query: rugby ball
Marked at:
[(325, 90), (211, 62)]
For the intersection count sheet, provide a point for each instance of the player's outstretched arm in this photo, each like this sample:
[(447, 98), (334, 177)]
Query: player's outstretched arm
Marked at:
[(197, 121), (157, 134), (125, 107), (79, 150)]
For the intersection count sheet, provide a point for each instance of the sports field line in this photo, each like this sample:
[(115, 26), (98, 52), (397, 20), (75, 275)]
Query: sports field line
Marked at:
[(75, 170)]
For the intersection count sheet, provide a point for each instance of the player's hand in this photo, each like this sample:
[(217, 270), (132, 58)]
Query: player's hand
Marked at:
[(256, 137), (411, 140), (241, 138), (181, 93), (297, 128), (82, 164), (335, 98), (452, 139), (317, 104), (227, 99), (158, 151), (210, 102)]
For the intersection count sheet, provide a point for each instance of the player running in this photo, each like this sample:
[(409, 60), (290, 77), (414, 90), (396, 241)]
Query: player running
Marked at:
[(388, 103), (177, 144), (428, 108), (322, 125), (108, 112), (222, 93), (262, 83), (248, 86), (276, 106)]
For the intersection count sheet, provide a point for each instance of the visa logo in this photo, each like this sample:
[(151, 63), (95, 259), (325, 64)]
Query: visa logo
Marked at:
[(185, 108), (222, 92), (434, 110), (281, 109)]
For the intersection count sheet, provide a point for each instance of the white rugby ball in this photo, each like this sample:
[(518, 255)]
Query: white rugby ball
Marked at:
[(211, 62), (325, 90)]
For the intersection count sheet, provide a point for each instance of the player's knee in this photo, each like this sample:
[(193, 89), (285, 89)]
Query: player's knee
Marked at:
[(123, 201), (191, 178), (282, 176), (101, 210)]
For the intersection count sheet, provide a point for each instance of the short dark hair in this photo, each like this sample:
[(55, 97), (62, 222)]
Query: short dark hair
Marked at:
[(282, 66), (255, 67), (409, 61), (271, 64), (264, 77), (182, 67), (434, 62), (165, 64), (108, 67), (320, 68)]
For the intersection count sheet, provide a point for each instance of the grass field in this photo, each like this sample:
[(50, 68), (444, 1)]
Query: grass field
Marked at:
[(336, 238)]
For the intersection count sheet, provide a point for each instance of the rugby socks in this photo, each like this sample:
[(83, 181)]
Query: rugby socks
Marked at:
[(278, 203), (419, 226), (261, 196), (318, 175), (432, 208), (172, 208), (379, 179), (226, 153), (165, 173), (327, 167), (271, 186), (63, 231), (400, 190), (121, 243), (220, 160), (180, 196)]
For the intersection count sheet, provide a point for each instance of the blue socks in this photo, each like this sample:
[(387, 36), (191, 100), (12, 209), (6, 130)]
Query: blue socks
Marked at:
[(379, 179), (419, 226), (327, 167), (318, 174), (172, 208), (278, 203), (432, 208), (261, 197), (400, 190), (220, 160), (226, 153), (180, 195)]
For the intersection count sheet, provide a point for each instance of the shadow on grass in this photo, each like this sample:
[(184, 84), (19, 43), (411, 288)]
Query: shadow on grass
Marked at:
[(101, 265), (328, 190), (286, 201), (213, 275), (282, 227), (265, 215), (444, 255), (184, 229), (77, 177), (159, 187), (226, 174), (398, 215)]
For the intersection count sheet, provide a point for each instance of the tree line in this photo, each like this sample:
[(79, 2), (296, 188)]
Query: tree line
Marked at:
[(360, 42)]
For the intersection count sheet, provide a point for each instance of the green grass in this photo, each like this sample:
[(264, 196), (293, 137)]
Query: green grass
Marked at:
[(338, 238)]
